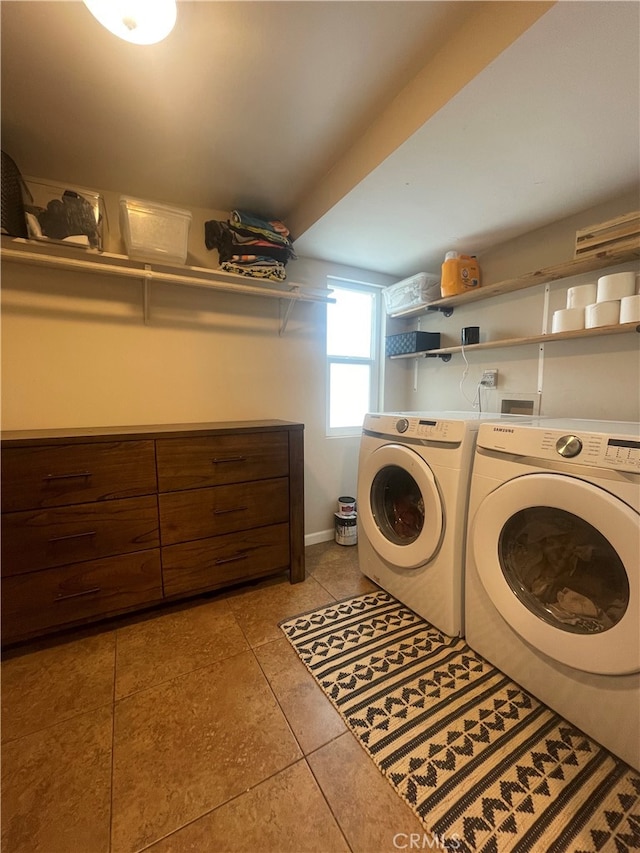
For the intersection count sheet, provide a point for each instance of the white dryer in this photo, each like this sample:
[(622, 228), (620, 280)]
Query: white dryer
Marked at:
[(413, 488), (553, 569)]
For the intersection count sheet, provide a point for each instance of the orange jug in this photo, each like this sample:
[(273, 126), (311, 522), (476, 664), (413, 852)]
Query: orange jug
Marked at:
[(459, 274)]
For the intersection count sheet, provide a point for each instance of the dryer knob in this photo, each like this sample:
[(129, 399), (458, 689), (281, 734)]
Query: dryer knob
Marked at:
[(402, 425), (568, 446)]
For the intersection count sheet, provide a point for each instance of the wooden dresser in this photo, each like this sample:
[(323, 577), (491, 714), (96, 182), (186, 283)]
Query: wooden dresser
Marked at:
[(99, 522)]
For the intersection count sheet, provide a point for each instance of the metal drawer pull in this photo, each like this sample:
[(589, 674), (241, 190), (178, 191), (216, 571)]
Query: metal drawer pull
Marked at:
[(67, 476), (77, 594), (230, 559), (233, 509), (220, 459), (73, 536)]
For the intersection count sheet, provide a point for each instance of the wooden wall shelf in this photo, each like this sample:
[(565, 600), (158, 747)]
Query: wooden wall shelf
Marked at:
[(608, 258), (603, 260), (532, 339)]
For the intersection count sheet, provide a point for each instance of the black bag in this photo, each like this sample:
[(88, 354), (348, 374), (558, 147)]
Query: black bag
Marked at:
[(67, 216), (12, 210)]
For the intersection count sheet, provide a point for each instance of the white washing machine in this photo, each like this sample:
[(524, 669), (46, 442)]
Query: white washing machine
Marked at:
[(413, 488), (553, 569)]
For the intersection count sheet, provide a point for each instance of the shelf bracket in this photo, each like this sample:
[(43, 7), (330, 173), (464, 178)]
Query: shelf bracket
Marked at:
[(145, 294), (446, 310), (287, 313), (445, 356)]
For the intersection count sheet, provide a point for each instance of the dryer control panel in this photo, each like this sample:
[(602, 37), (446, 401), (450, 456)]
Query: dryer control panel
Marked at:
[(623, 453), (571, 445), (600, 451)]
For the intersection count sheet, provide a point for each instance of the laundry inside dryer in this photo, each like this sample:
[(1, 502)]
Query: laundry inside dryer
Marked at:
[(563, 569), (397, 504)]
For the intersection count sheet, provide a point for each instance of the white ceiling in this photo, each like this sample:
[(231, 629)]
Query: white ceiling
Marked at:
[(256, 105)]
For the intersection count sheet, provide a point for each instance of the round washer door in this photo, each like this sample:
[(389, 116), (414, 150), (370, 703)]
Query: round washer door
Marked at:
[(400, 507), (558, 557)]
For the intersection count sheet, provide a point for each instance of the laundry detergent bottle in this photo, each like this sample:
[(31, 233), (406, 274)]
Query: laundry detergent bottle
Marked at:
[(459, 274)]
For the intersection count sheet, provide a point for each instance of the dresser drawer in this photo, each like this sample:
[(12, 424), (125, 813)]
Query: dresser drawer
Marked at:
[(56, 475), (41, 539), (199, 513), (216, 562), (215, 460), (42, 601)]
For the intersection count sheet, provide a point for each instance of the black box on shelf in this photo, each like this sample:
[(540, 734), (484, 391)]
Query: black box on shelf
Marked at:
[(408, 342)]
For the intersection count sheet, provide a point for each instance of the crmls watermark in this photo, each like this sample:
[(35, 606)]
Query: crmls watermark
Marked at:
[(425, 841)]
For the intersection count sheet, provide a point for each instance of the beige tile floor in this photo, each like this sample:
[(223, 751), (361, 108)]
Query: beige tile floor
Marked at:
[(196, 728)]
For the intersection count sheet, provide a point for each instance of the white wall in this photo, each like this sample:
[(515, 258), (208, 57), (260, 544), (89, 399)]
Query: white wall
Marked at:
[(596, 377), (76, 352)]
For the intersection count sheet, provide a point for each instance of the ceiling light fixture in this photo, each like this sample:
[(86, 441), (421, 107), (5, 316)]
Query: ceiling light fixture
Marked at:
[(136, 21)]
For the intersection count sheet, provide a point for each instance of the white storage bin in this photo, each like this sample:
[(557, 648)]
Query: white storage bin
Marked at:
[(154, 232), (420, 289)]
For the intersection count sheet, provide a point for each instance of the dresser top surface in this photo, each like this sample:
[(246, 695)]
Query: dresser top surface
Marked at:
[(17, 438)]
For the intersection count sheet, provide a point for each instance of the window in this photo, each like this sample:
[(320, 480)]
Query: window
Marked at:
[(353, 356)]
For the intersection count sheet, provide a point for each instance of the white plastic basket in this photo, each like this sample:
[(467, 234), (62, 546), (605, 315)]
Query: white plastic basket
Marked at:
[(420, 289), (154, 232)]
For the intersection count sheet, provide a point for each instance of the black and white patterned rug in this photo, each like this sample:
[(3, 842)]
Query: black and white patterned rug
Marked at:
[(482, 763)]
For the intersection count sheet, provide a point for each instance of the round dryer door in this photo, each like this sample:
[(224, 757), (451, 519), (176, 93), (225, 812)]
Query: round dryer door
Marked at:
[(558, 557), (399, 506)]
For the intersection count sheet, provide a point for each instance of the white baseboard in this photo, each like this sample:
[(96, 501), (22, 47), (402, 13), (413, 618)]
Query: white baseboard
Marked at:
[(320, 536)]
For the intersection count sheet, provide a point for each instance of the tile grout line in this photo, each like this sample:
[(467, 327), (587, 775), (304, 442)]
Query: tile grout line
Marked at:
[(182, 674), (324, 796), (113, 737), (251, 787), (277, 701), (322, 746), (304, 755), (219, 806), (116, 699), (76, 715)]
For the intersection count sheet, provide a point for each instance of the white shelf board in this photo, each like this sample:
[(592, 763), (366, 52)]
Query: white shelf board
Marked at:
[(18, 250)]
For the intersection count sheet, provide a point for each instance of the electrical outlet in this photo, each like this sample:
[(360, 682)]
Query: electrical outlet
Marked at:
[(489, 379)]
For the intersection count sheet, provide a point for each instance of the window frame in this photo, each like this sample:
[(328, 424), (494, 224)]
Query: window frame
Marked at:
[(375, 360)]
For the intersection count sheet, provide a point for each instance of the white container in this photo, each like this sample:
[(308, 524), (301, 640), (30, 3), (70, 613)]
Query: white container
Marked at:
[(567, 320), (414, 292), (154, 232), (630, 309), (616, 286), (581, 295), (346, 505), (601, 314)]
